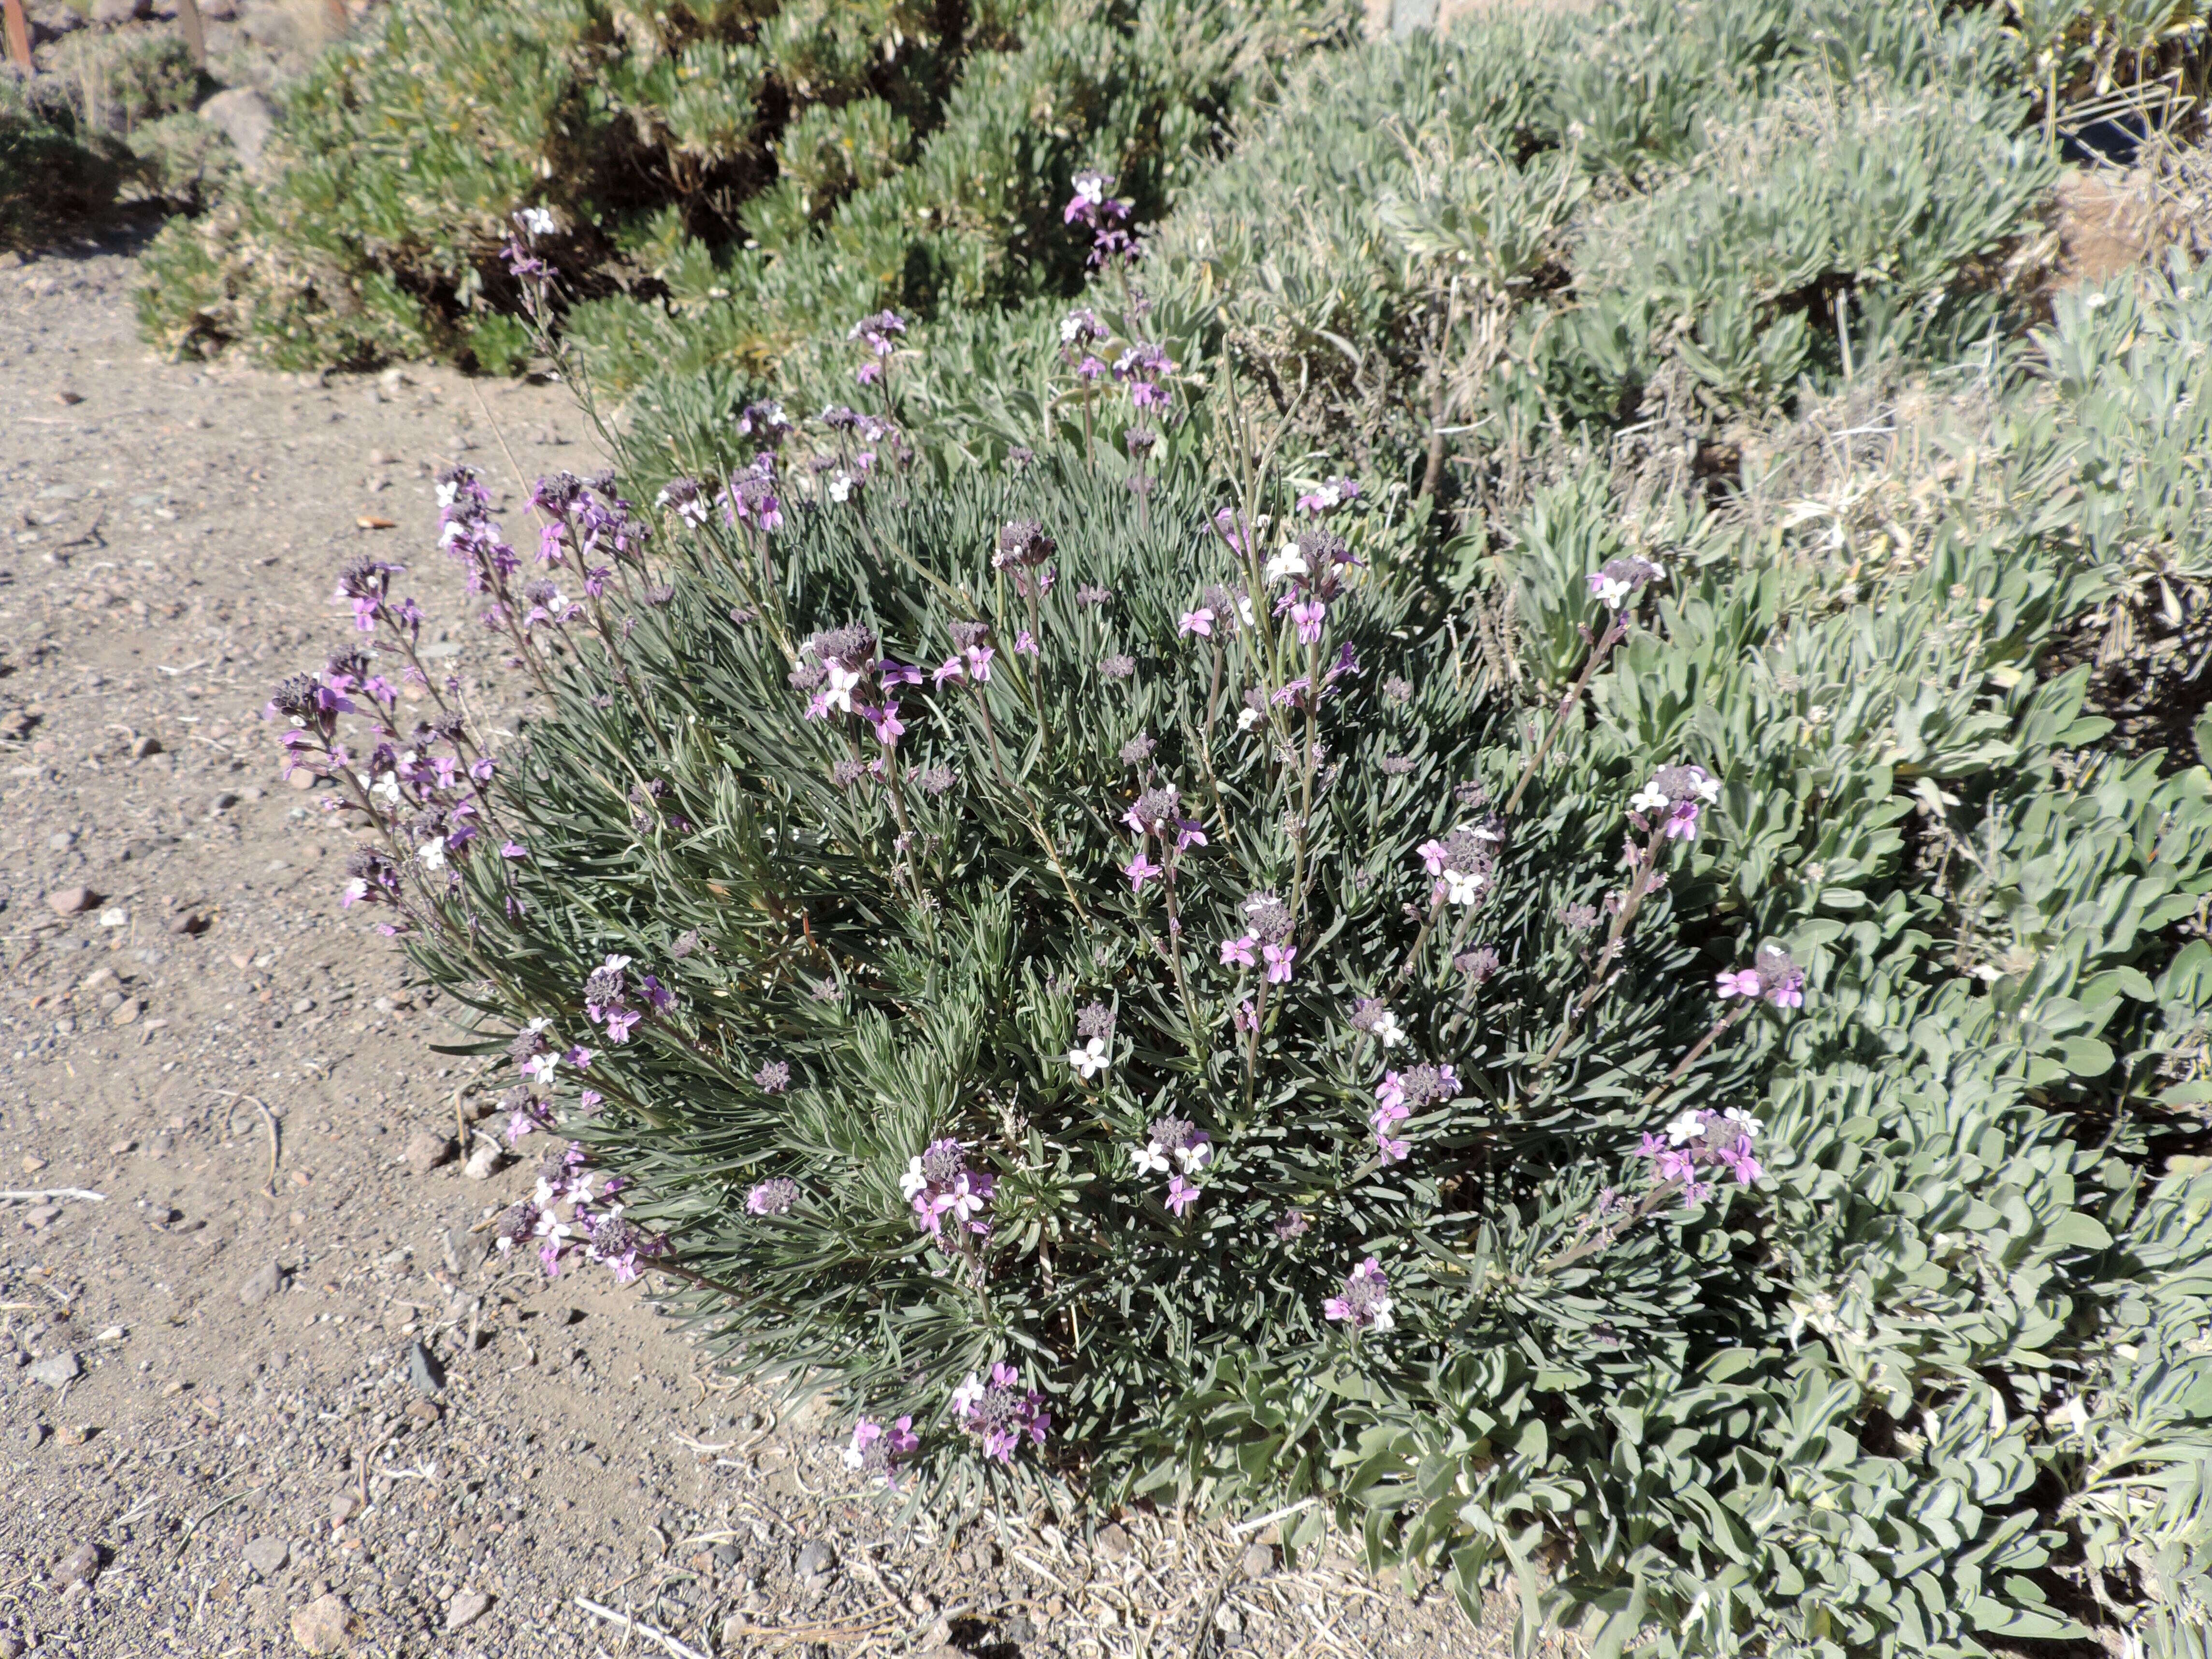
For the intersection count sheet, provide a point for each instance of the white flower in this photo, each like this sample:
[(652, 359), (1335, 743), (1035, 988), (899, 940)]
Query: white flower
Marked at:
[(1288, 562), (1748, 1127), (1650, 798), (841, 486), (842, 683), (536, 220), (1379, 1314), (1072, 326), (1192, 1158), (1244, 609), (1248, 719), (1151, 1158), (431, 855), (1610, 591), (1690, 1126), (1386, 1030), (387, 787), (964, 1397), (1462, 887), (913, 1180), (541, 1066), (1090, 1058), (2096, 302)]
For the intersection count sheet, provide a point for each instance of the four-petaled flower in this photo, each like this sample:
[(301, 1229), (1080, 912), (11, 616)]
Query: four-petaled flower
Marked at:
[(1091, 1058), (1140, 870), (1181, 1195)]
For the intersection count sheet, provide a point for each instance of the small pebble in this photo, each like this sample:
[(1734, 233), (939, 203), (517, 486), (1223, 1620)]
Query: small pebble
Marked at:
[(71, 901), (58, 1369), (80, 1566), (267, 1556), (321, 1626), (424, 1371), (426, 1151), (264, 1283), (465, 1608), (1113, 1544)]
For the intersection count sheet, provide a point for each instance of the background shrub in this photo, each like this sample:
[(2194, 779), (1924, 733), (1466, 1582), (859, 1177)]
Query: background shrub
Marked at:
[(733, 173)]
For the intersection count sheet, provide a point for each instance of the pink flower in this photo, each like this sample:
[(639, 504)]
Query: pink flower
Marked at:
[(952, 669), (1140, 870), (1199, 623), (1279, 959), (1309, 615), (1740, 982), (1025, 643), (1238, 950), (1365, 1303), (889, 726), (514, 849), (1246, 1018), (619, 1022), (1181, 1195), (1433, 854), (897, 673)]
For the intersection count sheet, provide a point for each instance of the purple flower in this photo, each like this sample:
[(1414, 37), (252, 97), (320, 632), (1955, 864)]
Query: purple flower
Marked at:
[(1117, 666), (1772, 975), (1679, 793), (1279, 959), (1365, 1303), (1026, 644), (774, 1077), (1326, 497), (1140, 870), (1699, 1139), (938, 1183), (1001, 1414), (1181, 1195), (877, 1450), (1309, 615), (877, 333), (889, 726), (1199, 623), (1238, 952), (772, 1197)]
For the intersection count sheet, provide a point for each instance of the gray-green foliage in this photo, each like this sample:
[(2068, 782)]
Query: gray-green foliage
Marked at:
[(1941, 1382)]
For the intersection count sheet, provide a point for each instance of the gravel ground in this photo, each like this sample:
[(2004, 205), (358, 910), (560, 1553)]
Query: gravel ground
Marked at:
[(269, 1391)]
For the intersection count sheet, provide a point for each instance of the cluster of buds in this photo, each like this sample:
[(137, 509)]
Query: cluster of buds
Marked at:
[(611, 1001), (1772, 975), (1363, 1304), (1157, 817), (1001, 1414), (880, 334), (1463, 865), (1699, 1141), (1175, 1147), (939, 1184), (752, 499), (1402, 1094), (1268, 928), (1093, 205), (1618, 580), (572, 1210), (839, 668), (881, 1451), (1094, 1041), (1673, 799), (1219, 608)]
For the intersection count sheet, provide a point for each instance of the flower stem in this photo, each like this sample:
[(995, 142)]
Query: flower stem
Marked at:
[(1599, 651)]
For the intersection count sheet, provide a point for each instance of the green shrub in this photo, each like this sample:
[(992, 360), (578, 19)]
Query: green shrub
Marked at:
[(722, 177), (52, 172)]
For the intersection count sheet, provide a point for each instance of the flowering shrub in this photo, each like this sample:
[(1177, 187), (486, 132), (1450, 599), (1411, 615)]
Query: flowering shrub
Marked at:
[(993, 945)]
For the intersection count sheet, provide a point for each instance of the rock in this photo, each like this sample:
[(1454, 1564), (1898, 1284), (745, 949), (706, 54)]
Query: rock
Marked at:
[(223, 801), (57, 1371), (186, 922), (424, 1371), (267, 1556), (344, 1505), (112, 13), (815, 1560), (11, 1646), (483, 1163), (71, 901), (426, 1151), (1113, 1544), (144, 747), (424, 1412), (245, 117), (320, 1626), (465, 1608), (265, 1282), (1017, 1628), (1257, 1561), (80, 1566), (126, 1012)]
